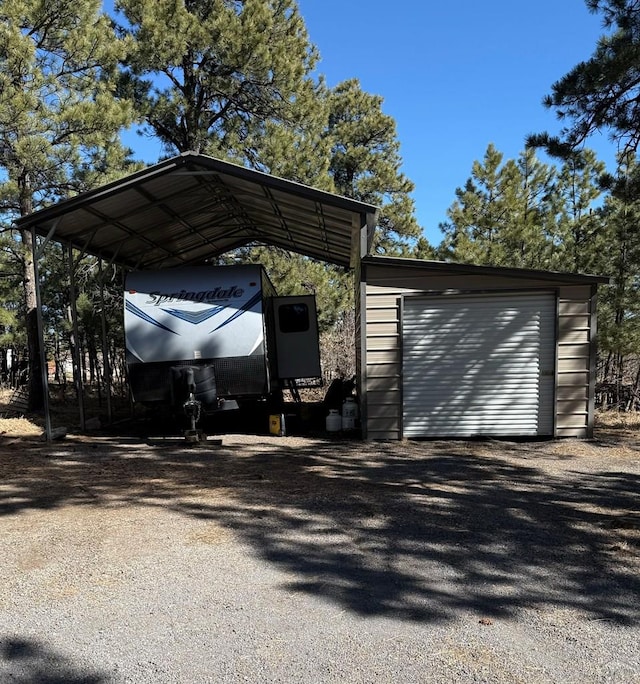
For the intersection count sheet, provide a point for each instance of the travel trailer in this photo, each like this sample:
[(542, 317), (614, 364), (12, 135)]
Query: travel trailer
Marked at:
[(210, 337)]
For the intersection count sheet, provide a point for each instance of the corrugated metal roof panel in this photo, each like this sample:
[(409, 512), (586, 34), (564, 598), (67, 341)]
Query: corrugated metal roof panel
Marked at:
[(192, 208)]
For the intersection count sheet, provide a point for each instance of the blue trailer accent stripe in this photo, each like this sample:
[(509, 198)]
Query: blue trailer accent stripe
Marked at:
[(132, 308), (246, 307), (195, 317)]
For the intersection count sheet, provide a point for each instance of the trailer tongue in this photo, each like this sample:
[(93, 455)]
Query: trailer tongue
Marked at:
[(202, 339)]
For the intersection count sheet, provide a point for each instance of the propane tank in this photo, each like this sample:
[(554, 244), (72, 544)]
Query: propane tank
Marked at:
[(334, 421), (349, 414)]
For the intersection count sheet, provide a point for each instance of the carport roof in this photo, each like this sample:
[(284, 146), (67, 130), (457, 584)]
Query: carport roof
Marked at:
[(192, 208)]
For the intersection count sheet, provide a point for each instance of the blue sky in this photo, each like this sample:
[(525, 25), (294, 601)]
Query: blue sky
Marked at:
[(455, 76)]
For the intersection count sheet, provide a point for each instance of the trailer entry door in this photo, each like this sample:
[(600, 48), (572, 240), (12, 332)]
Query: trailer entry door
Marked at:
[(296, 337)]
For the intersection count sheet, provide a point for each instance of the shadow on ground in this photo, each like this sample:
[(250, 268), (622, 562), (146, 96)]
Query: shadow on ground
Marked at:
[(419, 531), (27, 661)]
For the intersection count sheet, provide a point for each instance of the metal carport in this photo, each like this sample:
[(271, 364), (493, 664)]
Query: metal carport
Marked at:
[(192, 208)]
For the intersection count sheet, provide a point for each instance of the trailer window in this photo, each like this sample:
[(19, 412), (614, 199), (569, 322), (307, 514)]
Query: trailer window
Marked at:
[(293, 318)]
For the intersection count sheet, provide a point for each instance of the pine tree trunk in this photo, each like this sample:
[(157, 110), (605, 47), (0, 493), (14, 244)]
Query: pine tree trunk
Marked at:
[(607, 368), (36, 394), (83, 359)]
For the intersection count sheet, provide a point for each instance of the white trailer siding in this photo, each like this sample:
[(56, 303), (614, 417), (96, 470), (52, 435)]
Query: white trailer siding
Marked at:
[(194, 313), (211, 317)]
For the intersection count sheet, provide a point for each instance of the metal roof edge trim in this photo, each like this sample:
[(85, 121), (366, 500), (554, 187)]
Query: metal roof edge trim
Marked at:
[(184, 159), (473, 269)]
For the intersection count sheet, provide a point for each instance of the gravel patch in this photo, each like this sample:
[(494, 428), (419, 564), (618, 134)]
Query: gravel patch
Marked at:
[(265, 559)]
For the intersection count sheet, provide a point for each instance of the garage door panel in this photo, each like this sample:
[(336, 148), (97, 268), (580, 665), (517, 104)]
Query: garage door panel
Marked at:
[(479, 365)]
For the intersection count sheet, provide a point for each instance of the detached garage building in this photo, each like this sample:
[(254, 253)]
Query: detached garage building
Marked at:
[(450, 350)]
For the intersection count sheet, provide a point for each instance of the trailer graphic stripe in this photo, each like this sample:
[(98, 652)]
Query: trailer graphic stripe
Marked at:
[(195, 317), (132, 308), (245, 307)]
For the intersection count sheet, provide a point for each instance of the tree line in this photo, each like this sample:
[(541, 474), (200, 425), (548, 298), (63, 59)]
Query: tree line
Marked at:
[(239, 81)]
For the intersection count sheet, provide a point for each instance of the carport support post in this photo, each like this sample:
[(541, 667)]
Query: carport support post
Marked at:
[(106, 366), (43, 352), (367, 230), (76, 340)]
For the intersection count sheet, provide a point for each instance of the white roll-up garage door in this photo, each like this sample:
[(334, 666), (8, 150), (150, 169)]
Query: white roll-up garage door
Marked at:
[(478, 365)]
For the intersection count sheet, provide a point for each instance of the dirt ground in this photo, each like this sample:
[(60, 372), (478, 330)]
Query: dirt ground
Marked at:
[(489, 532)]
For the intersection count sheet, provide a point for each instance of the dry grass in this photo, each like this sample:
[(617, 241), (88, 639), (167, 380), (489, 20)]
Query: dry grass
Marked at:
[(19, 427), (14, 424), (64, 413), (618, 420)]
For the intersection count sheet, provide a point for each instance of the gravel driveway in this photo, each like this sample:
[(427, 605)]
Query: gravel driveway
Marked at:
[(266, 559)]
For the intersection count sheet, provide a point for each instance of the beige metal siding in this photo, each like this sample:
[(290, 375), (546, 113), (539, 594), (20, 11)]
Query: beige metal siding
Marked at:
[(383, 377), (575, 340), (384, 289)]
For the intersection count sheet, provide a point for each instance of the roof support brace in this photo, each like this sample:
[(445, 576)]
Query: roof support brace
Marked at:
[(37, 254), (82, 251), (362, 233)]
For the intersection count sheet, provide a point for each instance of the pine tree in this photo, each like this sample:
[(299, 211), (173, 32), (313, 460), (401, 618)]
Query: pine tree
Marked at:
[(58, 117), (13, 343), (601, 93), (297, 150), (207, 75), (578, 234), (619, 303), (500, 216), (527, 190), (476, 216), (365, 165)]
